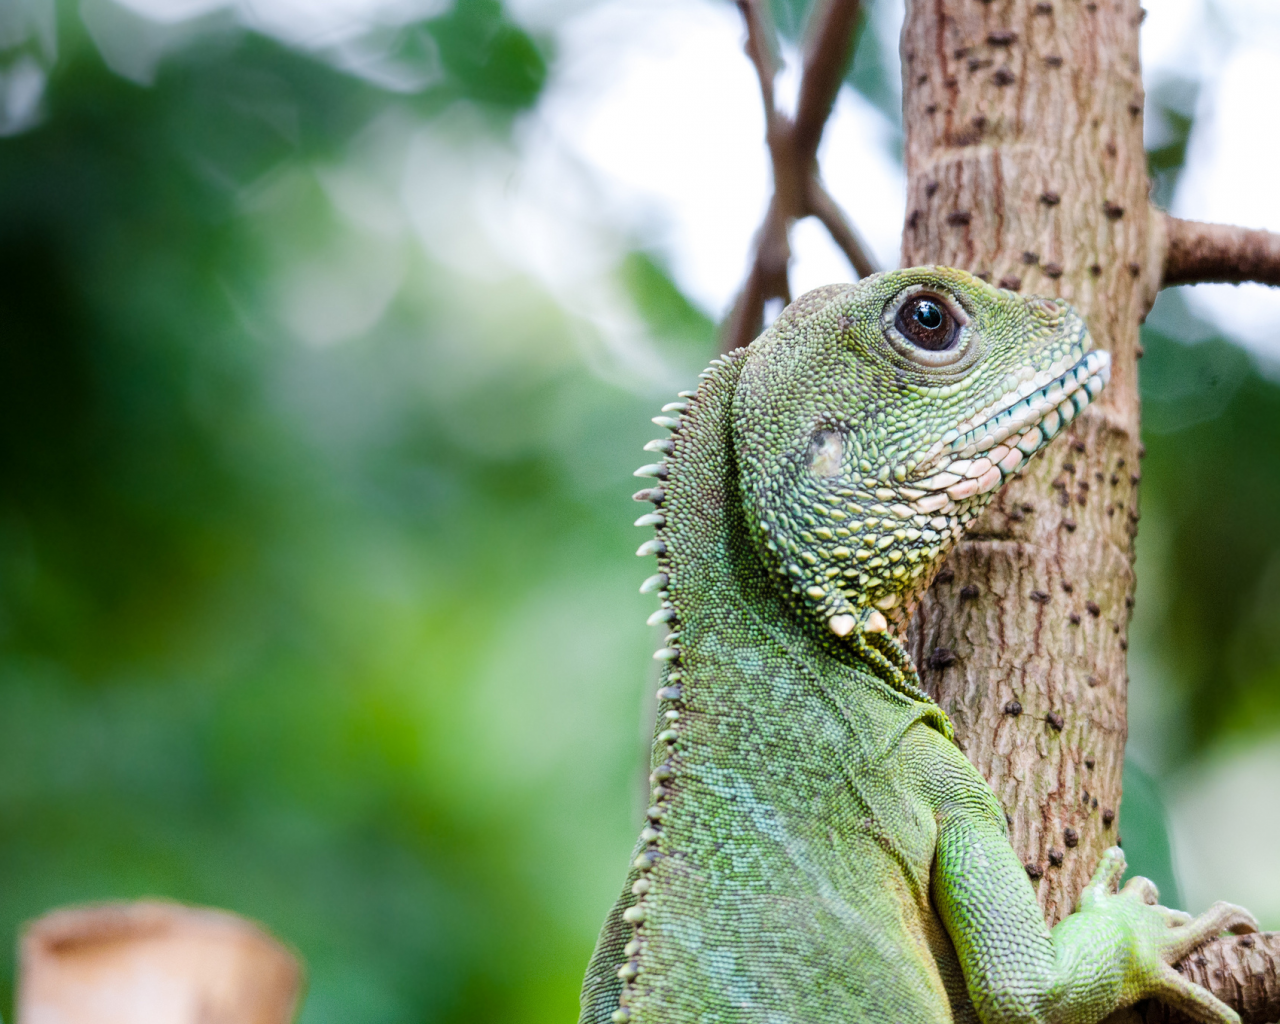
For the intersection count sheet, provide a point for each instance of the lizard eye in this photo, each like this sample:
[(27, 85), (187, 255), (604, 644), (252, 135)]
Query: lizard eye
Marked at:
[(927, 323), (927, 327)]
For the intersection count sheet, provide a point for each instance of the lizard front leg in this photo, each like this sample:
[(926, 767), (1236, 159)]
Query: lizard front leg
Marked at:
[(1115, 949), (1157, 937)]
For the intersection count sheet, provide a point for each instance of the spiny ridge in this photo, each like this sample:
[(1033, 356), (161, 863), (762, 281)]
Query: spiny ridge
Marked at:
[(670, 694)]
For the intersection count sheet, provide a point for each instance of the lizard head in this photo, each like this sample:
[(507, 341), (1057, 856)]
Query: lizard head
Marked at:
[(872, 421)]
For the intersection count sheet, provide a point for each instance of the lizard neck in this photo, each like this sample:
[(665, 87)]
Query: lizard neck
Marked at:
[(712, 579), (747, 676)]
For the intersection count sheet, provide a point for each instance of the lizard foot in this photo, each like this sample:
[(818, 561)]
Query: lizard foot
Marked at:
[(1163, 936)]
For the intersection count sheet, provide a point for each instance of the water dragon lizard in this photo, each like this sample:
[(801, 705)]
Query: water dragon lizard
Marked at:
[(818, 849)]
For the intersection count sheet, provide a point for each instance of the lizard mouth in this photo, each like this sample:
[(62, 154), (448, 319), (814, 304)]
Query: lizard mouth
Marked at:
[(975, 457)]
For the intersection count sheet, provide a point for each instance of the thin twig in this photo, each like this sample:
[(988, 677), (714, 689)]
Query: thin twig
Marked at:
[(760, 47), (842, 231), (766, 280), (793, 147), (828, 47), (1199, 253)]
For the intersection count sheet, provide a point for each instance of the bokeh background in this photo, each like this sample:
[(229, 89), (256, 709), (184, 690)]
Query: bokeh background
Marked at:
[(329, 334)]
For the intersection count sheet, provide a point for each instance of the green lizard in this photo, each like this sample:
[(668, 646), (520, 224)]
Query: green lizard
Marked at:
[(818, 849)]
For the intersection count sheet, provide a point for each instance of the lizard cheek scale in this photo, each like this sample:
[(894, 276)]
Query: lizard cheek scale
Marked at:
[(816, 849)]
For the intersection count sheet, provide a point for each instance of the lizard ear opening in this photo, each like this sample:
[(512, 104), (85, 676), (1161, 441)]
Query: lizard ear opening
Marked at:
[(826, 452)]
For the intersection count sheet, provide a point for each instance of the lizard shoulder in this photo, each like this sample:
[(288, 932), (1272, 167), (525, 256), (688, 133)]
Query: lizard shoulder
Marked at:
[(944, 777)]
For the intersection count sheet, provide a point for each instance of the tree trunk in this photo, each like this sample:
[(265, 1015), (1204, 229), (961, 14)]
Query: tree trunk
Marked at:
[(1025, 165)]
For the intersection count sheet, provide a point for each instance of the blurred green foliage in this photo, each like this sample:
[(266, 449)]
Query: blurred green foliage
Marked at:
[(664, 308), (1170, 114), (344, 636), (1211, 483), (1145, 835)]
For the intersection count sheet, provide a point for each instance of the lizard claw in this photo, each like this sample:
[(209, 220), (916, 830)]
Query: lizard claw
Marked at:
[(1175, 918), (1198, 1003), (1142, 889), (1185, 934)]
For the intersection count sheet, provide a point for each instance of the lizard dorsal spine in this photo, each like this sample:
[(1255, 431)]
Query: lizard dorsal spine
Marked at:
[(697, 507)]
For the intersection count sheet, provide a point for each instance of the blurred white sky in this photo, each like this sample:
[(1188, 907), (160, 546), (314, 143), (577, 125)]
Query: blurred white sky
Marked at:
[(658, 100), (310, 24), (1224, 841), (657, 105), (1232, 47)]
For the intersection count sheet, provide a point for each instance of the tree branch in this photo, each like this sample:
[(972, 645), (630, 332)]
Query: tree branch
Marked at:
[(1240, 970), (828, 47), (1199, 253), (793, 147), (760, 47), (827, 210), (766, 280)]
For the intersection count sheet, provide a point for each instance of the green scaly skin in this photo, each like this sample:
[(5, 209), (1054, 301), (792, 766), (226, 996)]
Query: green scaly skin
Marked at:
[(818, 849)]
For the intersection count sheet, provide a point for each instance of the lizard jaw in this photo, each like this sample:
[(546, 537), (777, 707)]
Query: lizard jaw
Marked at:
[(978, 460)]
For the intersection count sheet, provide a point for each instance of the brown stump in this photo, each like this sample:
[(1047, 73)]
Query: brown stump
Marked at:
[(153, 963)]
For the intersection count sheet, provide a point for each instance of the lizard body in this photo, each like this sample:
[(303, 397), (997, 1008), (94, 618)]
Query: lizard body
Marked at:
[(818, 849)]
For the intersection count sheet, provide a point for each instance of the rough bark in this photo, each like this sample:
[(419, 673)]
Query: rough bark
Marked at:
[(1023, 639), (1241, 971)]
